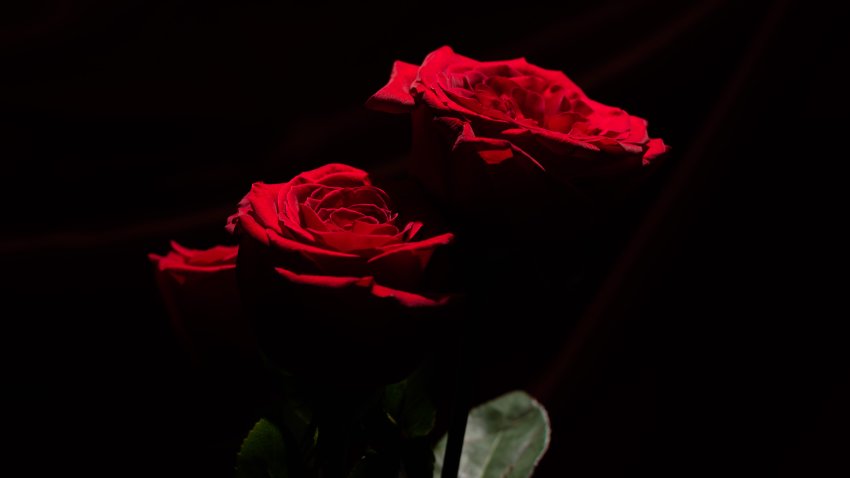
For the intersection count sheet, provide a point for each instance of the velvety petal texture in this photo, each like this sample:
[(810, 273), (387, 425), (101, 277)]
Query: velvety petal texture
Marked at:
[(516, 113), (182, 263), (199, 289), (331, 227)]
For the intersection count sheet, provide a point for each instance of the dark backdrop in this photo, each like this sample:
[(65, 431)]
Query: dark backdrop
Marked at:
[(714, 345)]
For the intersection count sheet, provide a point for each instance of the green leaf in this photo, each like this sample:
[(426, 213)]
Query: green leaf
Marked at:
[(409, 407), (263, 454), (505, 437)]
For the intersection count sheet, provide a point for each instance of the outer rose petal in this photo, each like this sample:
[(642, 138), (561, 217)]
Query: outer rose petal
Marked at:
[(637, 131), (491, 151), (426, 84), (331, 282), (395, 97), (251, 227), (307, 249), (350, 242), (263, 204), (366, 284), (403, 265), (182, 262), (484, 168), (656, 148), (324, 260), (334, 174), (216, 255), (558, 143), (253, 221), (407, 299), (200, 293), (474, 175)]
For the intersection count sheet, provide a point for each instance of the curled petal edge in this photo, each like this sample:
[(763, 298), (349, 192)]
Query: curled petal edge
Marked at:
[(492, 151), (395, 97), (655, 148), (368, 284)]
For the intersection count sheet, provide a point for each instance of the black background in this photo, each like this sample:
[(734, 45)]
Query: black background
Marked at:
[(124, 126)]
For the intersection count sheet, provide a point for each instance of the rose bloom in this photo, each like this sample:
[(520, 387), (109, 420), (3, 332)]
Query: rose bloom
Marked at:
[(487, 133), (198, 287), (333, 277), (542, 181)]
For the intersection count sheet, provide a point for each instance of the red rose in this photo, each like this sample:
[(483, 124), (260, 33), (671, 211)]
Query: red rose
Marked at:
[(327, 268), (485, 130), (199, 290), (511, 147)]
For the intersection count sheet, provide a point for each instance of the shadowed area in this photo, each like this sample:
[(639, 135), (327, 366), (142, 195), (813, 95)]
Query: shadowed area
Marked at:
[(708, 339)]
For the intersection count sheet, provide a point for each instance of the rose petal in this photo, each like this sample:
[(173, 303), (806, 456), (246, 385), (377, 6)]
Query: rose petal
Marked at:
[(350, 242), (655, 148), (182, 262), (335, 174), (325, 281), (308, 250), (367, 284), (562, 122), (291, 199), (402, 265), (367, 213), (554, 77), (422, 250), (408, 299), (215, 255), (560, 143), (491, 150), (290, 216), (201, 296), (637, 131), (352, 197), (166, 264), (411, 229), (395, 97), (427, 82), (360, 227), (312, 220), (263, 202), (250, 226)]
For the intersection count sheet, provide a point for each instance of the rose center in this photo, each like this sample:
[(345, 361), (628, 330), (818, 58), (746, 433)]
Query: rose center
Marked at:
[(504, 93), (346, 207)]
